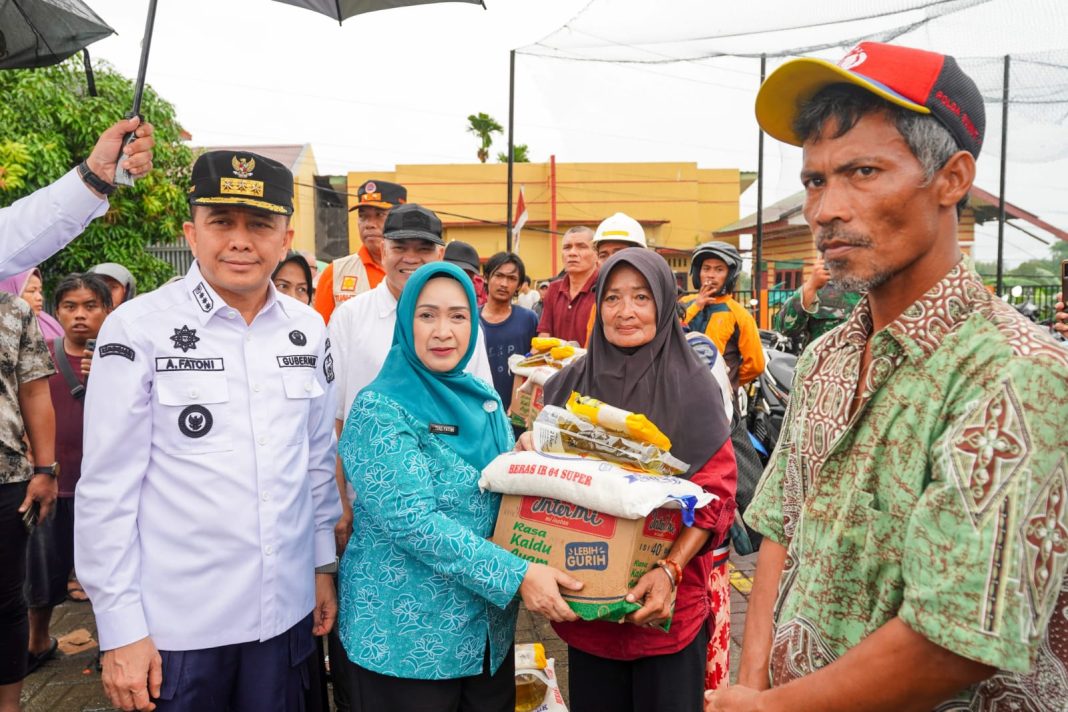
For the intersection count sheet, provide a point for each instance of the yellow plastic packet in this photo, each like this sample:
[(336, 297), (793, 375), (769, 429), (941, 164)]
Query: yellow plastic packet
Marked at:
[(561, 352), (634, 425), (549, 351), (559, 431), (544, 343)]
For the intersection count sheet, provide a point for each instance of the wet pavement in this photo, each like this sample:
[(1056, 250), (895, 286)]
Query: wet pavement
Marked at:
[(71, 683)]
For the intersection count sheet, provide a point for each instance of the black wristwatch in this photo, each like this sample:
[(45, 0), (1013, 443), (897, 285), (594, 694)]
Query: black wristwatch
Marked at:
[(50, 470), (94, 181)]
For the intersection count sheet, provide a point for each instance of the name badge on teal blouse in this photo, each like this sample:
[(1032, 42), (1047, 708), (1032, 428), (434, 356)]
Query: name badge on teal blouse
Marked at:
[(444, 429)]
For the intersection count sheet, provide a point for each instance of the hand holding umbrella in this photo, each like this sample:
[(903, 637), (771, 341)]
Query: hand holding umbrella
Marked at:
[(113, 152), (122, 175)]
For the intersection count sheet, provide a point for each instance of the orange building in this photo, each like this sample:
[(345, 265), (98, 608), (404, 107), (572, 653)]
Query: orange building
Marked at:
[(678, 204)]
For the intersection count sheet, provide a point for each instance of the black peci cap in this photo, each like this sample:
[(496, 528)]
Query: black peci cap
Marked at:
[(413, 222), (240, 178), (463, 256)]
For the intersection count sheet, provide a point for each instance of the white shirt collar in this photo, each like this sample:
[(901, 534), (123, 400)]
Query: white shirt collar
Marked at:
[(208, 301)]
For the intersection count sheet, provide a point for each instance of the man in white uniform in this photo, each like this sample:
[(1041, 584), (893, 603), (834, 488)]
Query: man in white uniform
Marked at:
[(38, 226), (362, 328), (207, 498)]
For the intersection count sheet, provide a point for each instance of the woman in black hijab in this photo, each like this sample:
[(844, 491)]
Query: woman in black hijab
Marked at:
[(638, 359)]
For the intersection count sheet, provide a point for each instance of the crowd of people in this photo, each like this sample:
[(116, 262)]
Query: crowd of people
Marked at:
[(259, 466)]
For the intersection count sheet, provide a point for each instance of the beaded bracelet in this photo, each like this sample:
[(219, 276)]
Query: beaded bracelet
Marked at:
[(674, 573)]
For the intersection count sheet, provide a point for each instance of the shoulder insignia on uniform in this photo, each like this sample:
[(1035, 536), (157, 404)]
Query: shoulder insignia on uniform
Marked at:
[(115, 350), (185, 338), (328, 368)]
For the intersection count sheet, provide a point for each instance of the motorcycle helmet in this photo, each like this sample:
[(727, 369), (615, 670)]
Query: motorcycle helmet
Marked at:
[(721, 251)]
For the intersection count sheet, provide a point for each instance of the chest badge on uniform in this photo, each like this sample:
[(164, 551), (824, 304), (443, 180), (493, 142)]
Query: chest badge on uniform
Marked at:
[(185, 338), (298, 338), (195, 421), (348, 284)]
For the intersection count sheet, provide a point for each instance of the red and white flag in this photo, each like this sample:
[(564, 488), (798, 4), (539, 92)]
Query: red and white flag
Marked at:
[(520, 220)]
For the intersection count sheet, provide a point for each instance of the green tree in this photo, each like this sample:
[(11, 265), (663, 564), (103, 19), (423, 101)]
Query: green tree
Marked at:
[(49, 124), (519, 152), (483, 126)]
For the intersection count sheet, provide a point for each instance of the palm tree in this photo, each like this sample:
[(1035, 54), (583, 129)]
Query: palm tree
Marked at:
[(483, 126), (520, 154)]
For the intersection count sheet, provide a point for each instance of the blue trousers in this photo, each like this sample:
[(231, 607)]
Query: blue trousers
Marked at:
[(271, 676)]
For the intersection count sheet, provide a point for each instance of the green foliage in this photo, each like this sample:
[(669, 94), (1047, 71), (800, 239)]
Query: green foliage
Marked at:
[(1036, 272), (484, 126), (49, 124), (520, 153)]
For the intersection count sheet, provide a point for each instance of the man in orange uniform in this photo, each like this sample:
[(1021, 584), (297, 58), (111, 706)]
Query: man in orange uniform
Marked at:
[(357, 273)]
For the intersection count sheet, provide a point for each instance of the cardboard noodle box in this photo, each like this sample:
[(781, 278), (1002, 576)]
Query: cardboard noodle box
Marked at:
[(527, 402), (608, 554)]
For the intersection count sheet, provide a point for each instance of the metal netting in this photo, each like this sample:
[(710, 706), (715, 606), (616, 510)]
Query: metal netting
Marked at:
[(704, 39)]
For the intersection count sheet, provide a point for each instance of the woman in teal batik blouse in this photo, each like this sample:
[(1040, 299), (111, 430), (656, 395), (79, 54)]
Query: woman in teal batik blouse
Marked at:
[(428, 603)]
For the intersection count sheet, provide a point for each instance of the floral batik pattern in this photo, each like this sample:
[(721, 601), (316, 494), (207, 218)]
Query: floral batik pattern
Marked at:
[(941, 500), (421, 589)]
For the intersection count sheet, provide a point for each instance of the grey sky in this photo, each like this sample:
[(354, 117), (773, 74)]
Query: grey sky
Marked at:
[(396, 87)]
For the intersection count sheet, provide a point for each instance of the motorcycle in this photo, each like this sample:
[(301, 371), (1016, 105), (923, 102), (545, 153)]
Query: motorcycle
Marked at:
[(763, 404), (761, 410)]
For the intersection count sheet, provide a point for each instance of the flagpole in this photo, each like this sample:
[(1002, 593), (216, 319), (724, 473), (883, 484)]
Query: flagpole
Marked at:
[(511, 139)]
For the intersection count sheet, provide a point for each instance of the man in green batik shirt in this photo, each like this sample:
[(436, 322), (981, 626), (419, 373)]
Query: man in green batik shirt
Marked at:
[(915, 510), (815, 308)]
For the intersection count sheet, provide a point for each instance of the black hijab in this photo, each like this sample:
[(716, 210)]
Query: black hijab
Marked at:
[(664, 379)]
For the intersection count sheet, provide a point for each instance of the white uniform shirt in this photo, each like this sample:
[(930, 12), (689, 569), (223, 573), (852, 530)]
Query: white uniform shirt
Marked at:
[(38, 226), (361, 332), (529, 299), (207, 494)]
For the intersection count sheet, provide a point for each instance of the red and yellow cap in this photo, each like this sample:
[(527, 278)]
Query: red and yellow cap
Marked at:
[(914, 79)]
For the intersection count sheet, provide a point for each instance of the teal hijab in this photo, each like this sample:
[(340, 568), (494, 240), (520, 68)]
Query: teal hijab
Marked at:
[(442, 401)]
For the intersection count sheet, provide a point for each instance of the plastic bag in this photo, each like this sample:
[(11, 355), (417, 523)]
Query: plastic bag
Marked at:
[(593, 484), (558, 431), (546, 351), (550, 700), (633, 425)]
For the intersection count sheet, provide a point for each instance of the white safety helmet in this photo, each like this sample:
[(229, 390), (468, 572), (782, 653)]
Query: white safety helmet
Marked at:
[(620, 228)]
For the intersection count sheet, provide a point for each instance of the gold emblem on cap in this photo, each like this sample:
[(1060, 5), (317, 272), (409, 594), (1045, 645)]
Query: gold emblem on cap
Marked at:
[(236, 186), (243, 167)]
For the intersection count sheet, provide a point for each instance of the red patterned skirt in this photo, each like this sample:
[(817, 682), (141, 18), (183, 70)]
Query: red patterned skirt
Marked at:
[(718, 668)]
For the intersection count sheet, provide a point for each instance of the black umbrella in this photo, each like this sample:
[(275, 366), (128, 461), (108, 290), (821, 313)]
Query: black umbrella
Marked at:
[(344, 9), (39, 33), (337, 9)]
